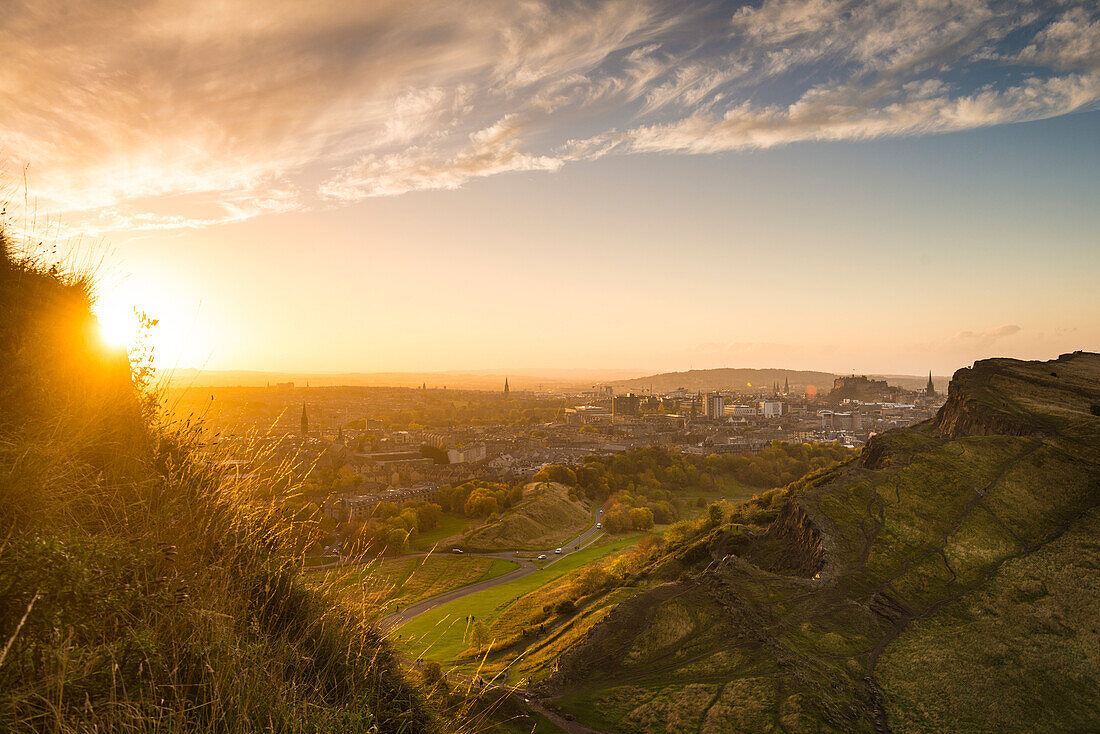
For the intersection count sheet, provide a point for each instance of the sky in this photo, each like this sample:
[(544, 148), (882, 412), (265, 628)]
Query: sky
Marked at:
[(889, 186)]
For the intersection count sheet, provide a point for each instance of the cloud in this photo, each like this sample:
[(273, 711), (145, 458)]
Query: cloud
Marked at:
[(117, 104), (492, 150), (859, 113), (1072, 41), (988, 336)]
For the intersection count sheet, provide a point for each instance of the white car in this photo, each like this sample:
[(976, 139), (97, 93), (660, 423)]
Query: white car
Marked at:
[(456, 550), (558, 551), (599, 525), (541, 558)]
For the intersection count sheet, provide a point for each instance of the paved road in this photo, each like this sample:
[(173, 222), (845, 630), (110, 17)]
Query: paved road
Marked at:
[(526, 567)]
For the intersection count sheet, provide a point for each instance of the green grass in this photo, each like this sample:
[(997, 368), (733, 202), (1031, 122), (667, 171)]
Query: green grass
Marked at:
[(440, 634), (733, 491), (381, 586), (449, 526), (138, 591)]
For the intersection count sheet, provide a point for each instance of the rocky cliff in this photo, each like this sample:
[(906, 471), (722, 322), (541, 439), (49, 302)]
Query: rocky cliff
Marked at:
[(947, 581)]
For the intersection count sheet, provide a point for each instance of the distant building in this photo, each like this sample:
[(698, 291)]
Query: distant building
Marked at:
[(629, 404), (769, 408), (505, 387), (436, 439), (466, 455), (305, 421), (860, 387), (930, 391), (836, 421), (714, 406), (585, 414), (741, 411)]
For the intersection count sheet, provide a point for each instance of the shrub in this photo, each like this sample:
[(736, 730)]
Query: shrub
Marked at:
[(565, 607)]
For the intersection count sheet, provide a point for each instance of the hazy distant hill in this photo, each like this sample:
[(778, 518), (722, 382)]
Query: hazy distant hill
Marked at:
[(727, 378), (520, 379), (538, 378)]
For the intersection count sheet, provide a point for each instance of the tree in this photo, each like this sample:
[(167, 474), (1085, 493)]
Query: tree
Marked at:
[(565, 606), (715, 514), (479, 635), (679, 532), (397, 540), (617, 521), (481, 503), (557, 473), (641, 518), (384, 510), (428, 515), (437, 454)]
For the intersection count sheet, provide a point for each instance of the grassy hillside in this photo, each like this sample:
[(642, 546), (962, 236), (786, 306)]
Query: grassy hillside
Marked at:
[(443, 634), (545, 518), (382, 585), (945, 581), (137, 591)]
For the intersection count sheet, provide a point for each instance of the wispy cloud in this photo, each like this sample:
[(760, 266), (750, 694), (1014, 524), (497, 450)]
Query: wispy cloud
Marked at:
[(117, 103), (987, 337), (490, 151)]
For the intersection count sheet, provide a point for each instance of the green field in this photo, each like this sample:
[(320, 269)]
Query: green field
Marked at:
[(449, 526), (440, 634), (389, 583)]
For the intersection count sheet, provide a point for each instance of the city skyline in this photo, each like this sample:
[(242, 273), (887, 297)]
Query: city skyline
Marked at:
[(888, 188)]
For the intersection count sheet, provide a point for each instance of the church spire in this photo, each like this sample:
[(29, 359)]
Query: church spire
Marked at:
[(930, 391), (305, 421), (505, 387)]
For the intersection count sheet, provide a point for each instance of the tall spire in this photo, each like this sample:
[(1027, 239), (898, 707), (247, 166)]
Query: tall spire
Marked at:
[(930, 391), (786, 386), (506, 386), (305, 421)]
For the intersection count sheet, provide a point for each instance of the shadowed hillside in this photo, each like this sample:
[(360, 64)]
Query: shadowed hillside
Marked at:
[(945, 581)]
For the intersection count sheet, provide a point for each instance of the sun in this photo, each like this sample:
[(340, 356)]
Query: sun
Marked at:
[(119, 325), (152, 322)]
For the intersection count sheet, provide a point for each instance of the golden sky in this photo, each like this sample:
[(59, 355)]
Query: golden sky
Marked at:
[(880, 186)]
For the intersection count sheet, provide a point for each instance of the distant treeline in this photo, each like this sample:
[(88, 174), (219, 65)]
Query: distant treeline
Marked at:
[(391, 528), (641, 487)]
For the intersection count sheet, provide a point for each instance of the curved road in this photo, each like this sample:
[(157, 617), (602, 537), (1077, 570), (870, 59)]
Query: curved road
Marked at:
[(526, 567)]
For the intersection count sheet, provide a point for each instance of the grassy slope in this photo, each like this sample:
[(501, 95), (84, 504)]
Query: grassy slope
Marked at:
[(450, 526), (958, 593), (441, 633), (137, 592), (544, 518), (380, 586)]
